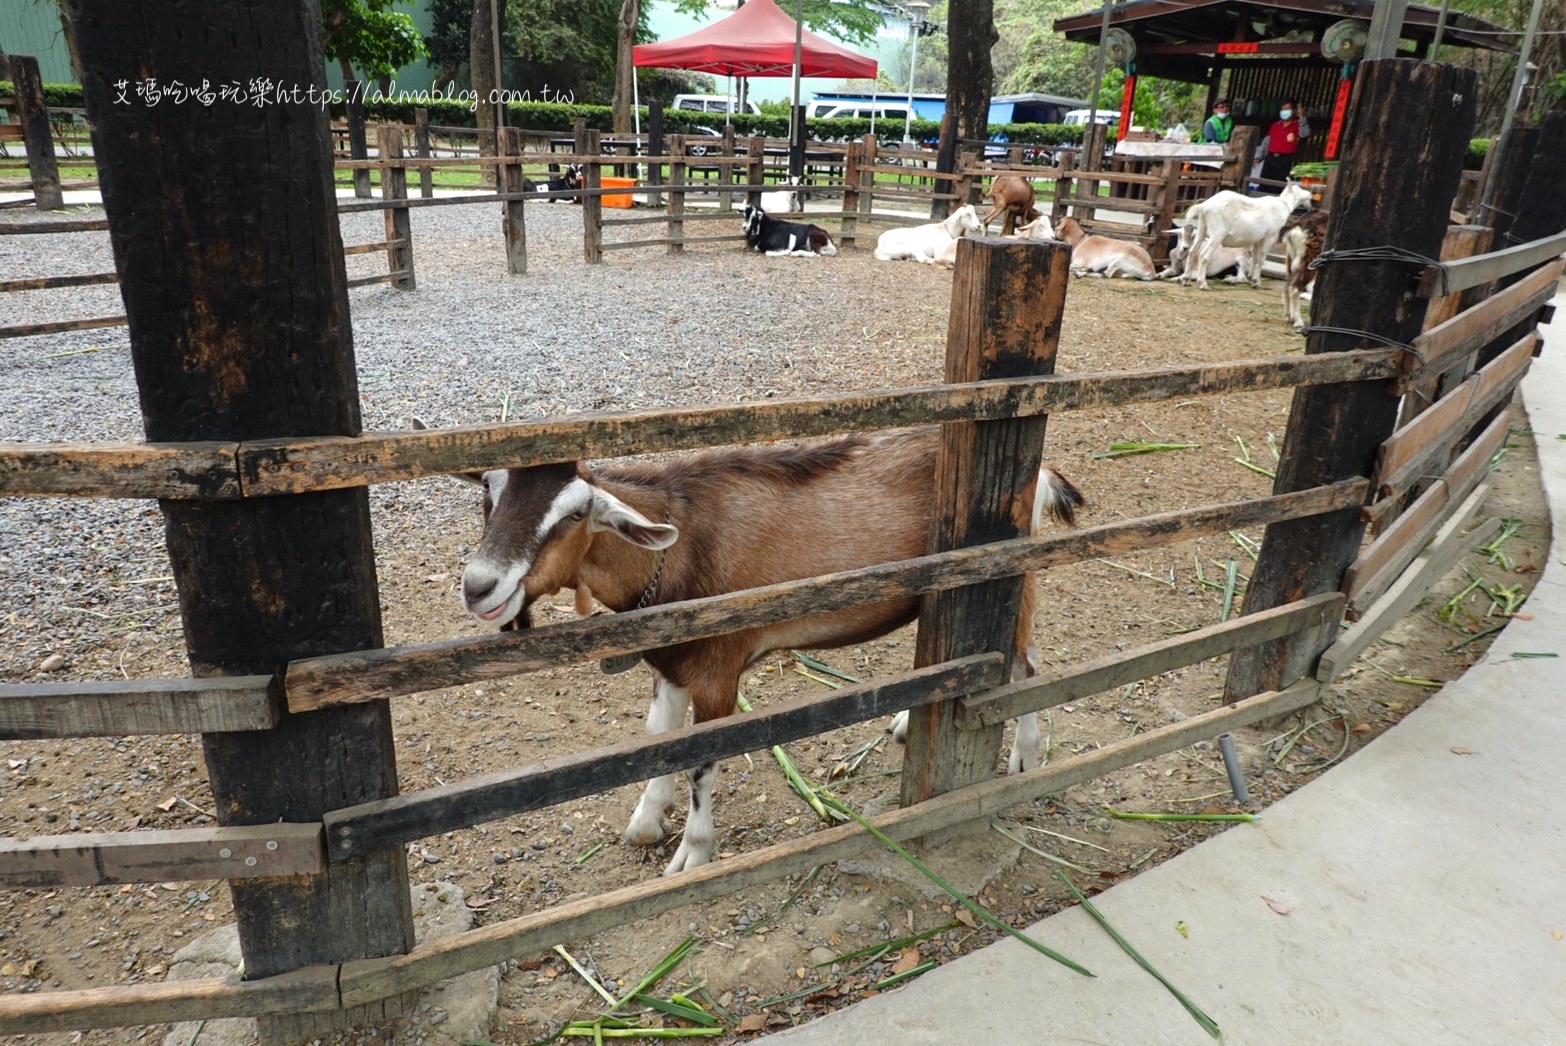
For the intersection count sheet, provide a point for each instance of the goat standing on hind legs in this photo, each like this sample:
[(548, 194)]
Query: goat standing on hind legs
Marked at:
[(637, 535)]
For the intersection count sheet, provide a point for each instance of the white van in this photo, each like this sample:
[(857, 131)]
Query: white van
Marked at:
[(864, 111), (713, 103), (1079, 117)]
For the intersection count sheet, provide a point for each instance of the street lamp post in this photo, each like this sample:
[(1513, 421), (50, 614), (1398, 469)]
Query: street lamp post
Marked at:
[(916, 10)]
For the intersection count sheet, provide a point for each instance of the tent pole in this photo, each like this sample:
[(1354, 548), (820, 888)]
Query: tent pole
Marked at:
[(636, 102), (796, 119)]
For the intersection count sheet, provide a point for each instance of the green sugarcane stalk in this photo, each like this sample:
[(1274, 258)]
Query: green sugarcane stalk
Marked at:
[(1122, 816)]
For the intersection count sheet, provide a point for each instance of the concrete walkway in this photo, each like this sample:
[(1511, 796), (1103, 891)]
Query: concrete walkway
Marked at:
[(1426, 889)]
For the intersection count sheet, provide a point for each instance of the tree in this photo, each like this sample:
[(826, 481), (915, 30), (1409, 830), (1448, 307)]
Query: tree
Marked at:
[(447, 42), (624, 70), (481, 70), (970, 78), (852, 21), (568, 45), (369, 36)]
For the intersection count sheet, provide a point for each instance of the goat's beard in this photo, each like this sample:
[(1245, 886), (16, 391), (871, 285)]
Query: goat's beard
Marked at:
[(523, 619)]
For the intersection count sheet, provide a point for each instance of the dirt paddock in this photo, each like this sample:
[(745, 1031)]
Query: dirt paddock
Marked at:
[(88, 582)]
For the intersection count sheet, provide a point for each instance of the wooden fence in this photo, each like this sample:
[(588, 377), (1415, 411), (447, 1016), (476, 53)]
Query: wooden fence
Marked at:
[(963, 691)]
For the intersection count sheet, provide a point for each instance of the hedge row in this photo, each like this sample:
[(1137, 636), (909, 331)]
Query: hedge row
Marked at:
[(560, 117)]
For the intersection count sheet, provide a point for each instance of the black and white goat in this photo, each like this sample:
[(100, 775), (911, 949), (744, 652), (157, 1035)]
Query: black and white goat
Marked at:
[(641, 534), (776, 237), (568, 180)]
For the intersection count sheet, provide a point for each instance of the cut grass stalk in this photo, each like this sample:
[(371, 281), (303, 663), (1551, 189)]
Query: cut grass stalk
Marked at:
[(796, 780), (855, 759), (589, 978), (1522, 655), (877, 950), (1072, 839), (1035, 850), (1231, 578), (600, 1032), (658, 972), (1245, 460), (1129, 447), (1249, 547), (906, 975), (1209, 1025), (956, 895), (1127, 815), (822, 666), (691, 1013), (1492, 630), (808, 674), (585, 854), (799, 892), (1170, 581)]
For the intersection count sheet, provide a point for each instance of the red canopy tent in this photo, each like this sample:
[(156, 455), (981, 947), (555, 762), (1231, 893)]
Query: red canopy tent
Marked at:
[(756, 40)]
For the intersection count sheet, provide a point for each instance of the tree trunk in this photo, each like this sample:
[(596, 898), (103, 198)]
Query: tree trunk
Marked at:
[(69, 32), (623, 69), (970, 33), (481, 68)]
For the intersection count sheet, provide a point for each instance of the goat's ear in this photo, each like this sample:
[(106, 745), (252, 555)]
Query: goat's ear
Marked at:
[(611, 514)]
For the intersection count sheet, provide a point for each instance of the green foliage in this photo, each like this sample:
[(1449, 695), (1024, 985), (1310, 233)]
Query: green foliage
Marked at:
[(451, 24), (1473, 159), (855, 21), (1031, 56), (56, 96), (371, 37), (565, 45)]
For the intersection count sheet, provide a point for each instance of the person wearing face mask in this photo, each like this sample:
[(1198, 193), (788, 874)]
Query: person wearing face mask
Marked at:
[(1220, 125), (1283, 141)]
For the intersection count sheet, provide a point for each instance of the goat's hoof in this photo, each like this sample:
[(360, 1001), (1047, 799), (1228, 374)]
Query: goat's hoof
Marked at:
[(900, 727), (1019, 763), (646, 828), (688, 856)]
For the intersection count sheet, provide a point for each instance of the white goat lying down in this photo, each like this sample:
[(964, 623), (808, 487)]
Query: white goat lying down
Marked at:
[(1252, 223), (641, 534), (1104, 256), (924, 243), (1037, 229), (1222, 260)]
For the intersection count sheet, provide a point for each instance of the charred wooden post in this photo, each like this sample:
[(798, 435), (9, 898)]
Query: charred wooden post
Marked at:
[(726, 170), (513, 223), (867, 176), (399, 219), (677, 186), (1236, 170), (1007, 300), (655, 147), (755, 171), (1063, 187), (33, 113), (592, 203), (421, 148), (945, 163), (358, 144), (1395, 185), (1509, 172), (224, 227)]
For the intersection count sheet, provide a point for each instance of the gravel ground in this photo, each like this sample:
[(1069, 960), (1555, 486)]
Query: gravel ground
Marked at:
[(87, 593)]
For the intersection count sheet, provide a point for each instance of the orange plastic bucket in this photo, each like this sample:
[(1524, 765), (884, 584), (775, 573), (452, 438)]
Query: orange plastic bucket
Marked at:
[(617, 199)]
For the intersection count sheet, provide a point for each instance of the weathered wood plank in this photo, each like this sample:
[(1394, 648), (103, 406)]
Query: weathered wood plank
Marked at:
[(372, 248), (1441, 347), (1506, 373), (1008, 300), (516, 938), (366, 675), (28, 330), (46, 228), (110, 858), (1440, 556), (121, 708), (1438, 422), (311, 989), (293, 466), (365, 281), (120, 470), (355, 830), (1439, 280), (44, 283), (1117, 669)]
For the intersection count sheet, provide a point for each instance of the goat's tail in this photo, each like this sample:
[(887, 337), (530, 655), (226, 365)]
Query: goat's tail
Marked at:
[(1057, 496)]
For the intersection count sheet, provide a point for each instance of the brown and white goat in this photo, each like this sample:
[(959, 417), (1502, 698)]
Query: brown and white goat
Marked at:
[(1013, 201), (1302, 239), (640, 534), (1104, 256)]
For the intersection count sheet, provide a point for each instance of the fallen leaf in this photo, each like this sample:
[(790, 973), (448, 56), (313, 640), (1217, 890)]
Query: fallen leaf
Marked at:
[(1180, 929), (907, 961), (1277, 906), (965, 917), (480, 904), (1460, 750), (1362, 728), (1556, 935), (751, 1022), (168, 804)]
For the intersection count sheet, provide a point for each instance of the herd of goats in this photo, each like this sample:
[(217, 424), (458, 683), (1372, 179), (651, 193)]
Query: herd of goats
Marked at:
[(1226, 235)]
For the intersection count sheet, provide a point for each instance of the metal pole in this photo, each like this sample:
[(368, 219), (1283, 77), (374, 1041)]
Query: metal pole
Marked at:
[(1386, 29), (1440, 29), (796, 116), (1518, 80), (1098, 67), (915, 10)]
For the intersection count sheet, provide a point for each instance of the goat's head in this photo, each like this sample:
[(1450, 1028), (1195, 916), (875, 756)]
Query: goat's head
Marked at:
[(1037, 229), (1296, 196), (752, 224), (964, 219), (1069, 230), (539, 524)]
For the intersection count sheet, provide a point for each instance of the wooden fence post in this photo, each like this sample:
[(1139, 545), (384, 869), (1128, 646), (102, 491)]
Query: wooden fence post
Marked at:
[(1509, 171), (421, 148), (33, 113), (867, 176), (240, 329), (755, 172), (399, 220), (1335, 430), (1236, 170), (1063, 184), (513, 223), (358, 144), (655, 147), (677, 194), (1007, 301), (592, 203), (726, 170), (849, 230), (1168, 204)]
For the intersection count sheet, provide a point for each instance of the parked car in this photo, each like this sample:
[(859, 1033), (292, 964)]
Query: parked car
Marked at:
[(713, 103)]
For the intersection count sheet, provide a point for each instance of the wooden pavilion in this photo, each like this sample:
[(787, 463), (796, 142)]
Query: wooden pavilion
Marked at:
[(1258, 54)]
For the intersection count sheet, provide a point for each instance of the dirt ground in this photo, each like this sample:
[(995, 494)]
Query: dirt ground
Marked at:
[(759, 962)]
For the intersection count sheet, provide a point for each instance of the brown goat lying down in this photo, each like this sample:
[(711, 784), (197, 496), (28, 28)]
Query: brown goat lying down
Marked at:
[(704, 524)]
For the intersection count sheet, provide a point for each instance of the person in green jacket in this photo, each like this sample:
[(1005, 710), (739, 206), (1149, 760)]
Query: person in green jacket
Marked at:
[(1220, 124)]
